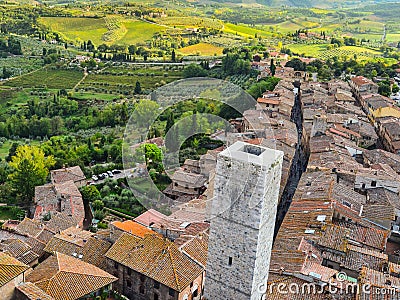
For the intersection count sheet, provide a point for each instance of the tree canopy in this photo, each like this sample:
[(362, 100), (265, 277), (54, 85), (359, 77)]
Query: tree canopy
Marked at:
[(30, 169)]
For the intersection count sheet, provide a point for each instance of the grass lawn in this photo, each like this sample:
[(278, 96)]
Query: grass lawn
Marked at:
[(51, 78), (202, 49)]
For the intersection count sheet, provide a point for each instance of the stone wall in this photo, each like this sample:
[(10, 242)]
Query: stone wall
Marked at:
[(242, 222)]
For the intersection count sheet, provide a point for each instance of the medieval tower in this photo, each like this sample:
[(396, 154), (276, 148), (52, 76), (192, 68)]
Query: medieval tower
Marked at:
[(243, 212)]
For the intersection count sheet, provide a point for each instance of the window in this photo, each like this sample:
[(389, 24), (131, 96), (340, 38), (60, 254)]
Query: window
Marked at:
[(141, 289), (156, 285), (171, 292), (155, 296), (115, 265), (196, 293), (230, 261), (141, 277), (129, 271), (128, 283), (373, 183)]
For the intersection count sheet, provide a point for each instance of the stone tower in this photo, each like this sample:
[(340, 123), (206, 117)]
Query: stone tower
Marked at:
[(243, 213), (320, 124)]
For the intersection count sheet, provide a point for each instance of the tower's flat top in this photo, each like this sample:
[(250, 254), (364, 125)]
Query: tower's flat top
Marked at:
[(252, 154)]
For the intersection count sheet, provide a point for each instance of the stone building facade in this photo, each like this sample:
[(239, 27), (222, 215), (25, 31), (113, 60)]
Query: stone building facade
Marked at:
[(243, 215)]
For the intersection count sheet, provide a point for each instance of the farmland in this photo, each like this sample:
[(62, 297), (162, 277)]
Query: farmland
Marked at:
[(77, 29), (320, 51), (108, 30), (122, 80), (50, 77), (201, 49), (186, 22)]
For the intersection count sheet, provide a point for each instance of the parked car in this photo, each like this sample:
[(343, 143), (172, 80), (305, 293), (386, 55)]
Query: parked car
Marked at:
[(105, 175), (115, 171), (101, 176), (110, 174), (95, 178)]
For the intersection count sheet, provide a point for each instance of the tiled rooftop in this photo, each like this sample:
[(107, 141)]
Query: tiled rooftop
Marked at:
[(156, 258), (64, 277), (10, 268)]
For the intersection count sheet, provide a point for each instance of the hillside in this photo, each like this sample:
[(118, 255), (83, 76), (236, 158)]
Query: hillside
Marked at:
[(305, 3)]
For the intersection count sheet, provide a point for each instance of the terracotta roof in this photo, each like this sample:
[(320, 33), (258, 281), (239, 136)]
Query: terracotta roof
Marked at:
[(133, 227), (64, 197), (15, 247), (360, 80), (32, 292), (68, 241), (335, 237), (368, 236), (10, 268), (67, 278), (193, 179), (28, 257), (268, 101), (287, 261), (149, 217), (379, 279), (197, 249), (29, 227), (315, 269), (94, 251), (156, 258), (61, 221), (382, 156), (45, 235), (66, 174), (36, 245)]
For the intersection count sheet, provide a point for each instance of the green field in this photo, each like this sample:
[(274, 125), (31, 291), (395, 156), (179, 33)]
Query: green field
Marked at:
[(77, 29), (109, 30), (122, 81), (320, 51), (202, 49), (139, 31), (186, 22), (49, 77), (244, 30)]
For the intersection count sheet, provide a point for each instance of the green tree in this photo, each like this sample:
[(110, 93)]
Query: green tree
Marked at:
[(272, 68), (173, 56), (132, 49), (194, 70), (395, 89), (170, 122), (90, 193), (98, 205), (138, 88), (30, 169), (145, 111), (384, 88)]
